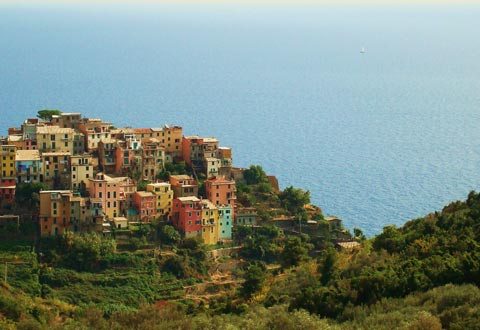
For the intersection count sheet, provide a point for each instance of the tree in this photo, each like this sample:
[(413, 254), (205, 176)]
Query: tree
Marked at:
[(27, 194), (390, 239), (327, 266), (294, 199), (175, 266), (295, 251), (265, 187), (47, 114), (255, 174), (169, 235), (358, 234), (83, 252), (142, 185), (254, 279)]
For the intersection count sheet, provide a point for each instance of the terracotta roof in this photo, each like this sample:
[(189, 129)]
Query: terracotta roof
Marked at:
[(348, 245), (57, 153), (23, 155), (220, 180), (331, 218), (181, 177), (207, 204), (54, 130), (15, 138), (160, 184), (145, 194), (188, 199), (142, 130)]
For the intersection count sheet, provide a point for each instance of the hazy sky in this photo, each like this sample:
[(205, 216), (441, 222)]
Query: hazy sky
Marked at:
[(273, 2)]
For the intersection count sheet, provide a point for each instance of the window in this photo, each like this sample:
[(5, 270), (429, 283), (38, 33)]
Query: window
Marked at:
[(52, 137)]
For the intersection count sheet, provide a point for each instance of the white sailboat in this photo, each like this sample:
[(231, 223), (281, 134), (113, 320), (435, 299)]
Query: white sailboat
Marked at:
[(363, 50)]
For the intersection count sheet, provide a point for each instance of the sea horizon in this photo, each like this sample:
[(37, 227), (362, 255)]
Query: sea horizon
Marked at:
[(378, 137)]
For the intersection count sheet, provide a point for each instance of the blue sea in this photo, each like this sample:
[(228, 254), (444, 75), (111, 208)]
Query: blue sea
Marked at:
[(378, 138)]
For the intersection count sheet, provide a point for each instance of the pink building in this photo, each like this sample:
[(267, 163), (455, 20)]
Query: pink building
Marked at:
[(114, 192)]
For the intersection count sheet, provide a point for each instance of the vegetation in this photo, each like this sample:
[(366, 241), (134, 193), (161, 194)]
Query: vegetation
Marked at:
[(424, 275), (47, 114), (27, 194), (294, 199), (174, 168), (255, 175)]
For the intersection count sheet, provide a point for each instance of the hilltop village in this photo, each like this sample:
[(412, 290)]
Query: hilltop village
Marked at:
[(147, 228), (92, 176)]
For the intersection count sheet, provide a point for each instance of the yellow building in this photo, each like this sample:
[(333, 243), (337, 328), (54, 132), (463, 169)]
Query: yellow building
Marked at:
[(170, 138), (81, 170), (210, 222), (56, 139), (164, 198), (7, 161)]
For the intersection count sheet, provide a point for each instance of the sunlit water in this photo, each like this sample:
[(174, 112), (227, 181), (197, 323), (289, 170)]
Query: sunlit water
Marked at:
[(377, 138)]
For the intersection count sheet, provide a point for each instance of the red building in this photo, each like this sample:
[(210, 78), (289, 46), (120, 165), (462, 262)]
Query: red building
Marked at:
[(187, 216), (7, 191), (145, 204)]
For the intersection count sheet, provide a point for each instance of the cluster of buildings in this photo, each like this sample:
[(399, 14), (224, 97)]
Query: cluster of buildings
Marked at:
[(92, 171)]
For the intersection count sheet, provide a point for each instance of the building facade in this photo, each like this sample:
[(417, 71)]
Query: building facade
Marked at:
[(246, 216), (55, 139), (81, 171), (28, 166), (7, 161), (163, 198), (221, 191), (187, 216), (183, 186), (210, 222), (225, 213), (144, 202)]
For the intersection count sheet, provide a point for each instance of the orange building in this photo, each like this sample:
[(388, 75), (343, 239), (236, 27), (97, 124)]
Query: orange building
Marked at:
[(95, 130), (221, 191), (170, 138), (60, 210), (183, 186), (196, 149)]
